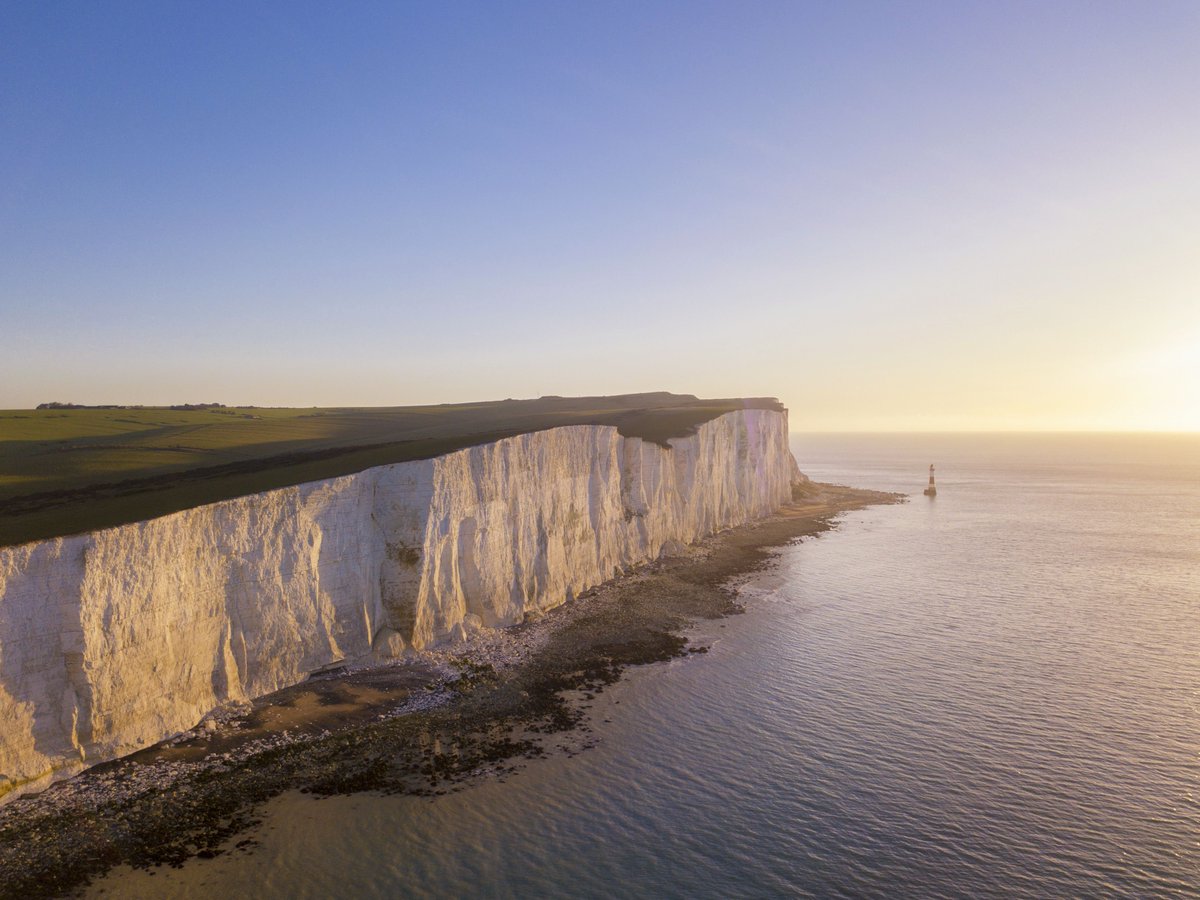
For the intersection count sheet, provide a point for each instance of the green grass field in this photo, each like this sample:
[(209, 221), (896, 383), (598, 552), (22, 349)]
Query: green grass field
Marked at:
[(64, 471)]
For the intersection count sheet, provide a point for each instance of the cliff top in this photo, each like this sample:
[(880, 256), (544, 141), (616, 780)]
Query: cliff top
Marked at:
[(66, 469)]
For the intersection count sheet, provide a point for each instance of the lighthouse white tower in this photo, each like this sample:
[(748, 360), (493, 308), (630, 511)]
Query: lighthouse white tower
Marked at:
[(931, 491)]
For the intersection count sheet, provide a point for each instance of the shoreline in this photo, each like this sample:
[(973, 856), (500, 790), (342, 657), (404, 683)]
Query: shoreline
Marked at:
[(431, 724)]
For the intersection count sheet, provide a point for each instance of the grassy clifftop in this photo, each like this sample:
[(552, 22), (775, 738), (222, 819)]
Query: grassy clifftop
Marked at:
[(63, 471)]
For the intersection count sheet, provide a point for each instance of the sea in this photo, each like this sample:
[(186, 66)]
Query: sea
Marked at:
[(991, 693)]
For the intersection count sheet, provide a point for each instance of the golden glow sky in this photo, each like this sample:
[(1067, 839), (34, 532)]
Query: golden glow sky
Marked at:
[(925, 216)]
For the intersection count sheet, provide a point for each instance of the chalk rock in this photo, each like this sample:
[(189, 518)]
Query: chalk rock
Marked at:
[(673, 548), (114, 640)]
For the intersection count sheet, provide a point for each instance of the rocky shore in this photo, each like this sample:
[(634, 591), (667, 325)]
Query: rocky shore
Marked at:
[(427, 725)]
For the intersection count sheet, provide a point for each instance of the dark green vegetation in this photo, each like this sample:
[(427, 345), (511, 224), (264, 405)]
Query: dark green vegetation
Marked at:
[(493, 721), (66, 470)]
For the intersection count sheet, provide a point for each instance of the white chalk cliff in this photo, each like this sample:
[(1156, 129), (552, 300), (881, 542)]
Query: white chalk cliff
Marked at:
[(114, 640)]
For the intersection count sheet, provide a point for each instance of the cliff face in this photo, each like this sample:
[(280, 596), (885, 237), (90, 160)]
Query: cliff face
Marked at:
[(113, 640)]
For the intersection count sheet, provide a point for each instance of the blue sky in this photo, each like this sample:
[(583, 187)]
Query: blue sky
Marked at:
[(919, 215)]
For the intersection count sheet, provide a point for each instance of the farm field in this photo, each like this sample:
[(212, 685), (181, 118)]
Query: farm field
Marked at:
[(68, 470)]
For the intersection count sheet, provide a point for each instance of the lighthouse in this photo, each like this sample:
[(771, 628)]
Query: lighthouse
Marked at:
[(931, 491)]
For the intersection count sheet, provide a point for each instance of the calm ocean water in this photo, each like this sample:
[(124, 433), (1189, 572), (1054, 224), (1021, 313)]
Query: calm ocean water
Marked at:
[(994, 693)]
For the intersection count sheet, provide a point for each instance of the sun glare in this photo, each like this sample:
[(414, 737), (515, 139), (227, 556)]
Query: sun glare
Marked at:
[(1169, 382)]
